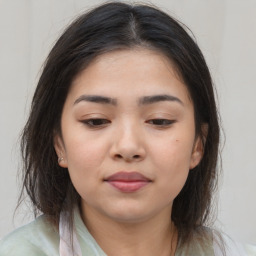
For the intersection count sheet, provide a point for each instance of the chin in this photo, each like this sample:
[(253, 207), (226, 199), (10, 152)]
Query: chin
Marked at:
[(129, 215)]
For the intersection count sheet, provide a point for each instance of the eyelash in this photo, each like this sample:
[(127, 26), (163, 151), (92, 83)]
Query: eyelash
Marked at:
[(101, 122), (94, 122), (161, 122)]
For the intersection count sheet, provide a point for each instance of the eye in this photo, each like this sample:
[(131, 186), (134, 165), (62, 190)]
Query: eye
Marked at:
[(161, 122), (95, 122)]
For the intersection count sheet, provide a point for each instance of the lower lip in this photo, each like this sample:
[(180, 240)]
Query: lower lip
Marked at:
[(128, 186)]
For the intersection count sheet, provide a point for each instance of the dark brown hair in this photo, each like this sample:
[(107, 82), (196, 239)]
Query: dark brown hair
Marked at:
[(109, 27)]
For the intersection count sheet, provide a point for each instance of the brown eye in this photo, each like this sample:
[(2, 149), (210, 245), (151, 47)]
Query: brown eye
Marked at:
[(96, 122), (161, 122)]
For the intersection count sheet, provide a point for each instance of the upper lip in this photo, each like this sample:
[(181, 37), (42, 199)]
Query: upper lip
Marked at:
[(127, 176)]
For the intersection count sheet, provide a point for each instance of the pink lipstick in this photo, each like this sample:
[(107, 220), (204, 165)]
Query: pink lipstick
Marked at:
[(128, 181)]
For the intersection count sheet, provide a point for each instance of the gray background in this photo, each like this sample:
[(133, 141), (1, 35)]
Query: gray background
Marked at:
[(225, 31)]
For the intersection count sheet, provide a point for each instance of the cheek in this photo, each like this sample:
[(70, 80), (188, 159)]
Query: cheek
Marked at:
[(174, 153), (173, 161), (84, 163), (84, 156)]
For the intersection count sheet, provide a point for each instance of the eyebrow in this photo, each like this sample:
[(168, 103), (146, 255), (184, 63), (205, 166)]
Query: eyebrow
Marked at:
[(158, 98), (146, 100), (96, 99)]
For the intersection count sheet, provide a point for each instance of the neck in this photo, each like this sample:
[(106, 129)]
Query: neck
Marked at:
[(154, 236)]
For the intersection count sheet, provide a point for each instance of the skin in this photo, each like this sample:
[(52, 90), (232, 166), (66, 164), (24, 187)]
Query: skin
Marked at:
[(156, 140)]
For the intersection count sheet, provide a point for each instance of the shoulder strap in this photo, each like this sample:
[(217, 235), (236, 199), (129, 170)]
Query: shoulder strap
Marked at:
[(66, 247)]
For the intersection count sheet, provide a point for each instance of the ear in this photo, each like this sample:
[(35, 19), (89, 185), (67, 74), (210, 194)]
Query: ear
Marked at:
[(60, 151), (198, 148)]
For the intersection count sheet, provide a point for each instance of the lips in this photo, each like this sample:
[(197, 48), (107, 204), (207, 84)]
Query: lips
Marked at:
[(128, 181)]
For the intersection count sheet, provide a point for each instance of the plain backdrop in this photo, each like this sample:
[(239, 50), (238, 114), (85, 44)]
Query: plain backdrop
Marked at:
[(226, 32)]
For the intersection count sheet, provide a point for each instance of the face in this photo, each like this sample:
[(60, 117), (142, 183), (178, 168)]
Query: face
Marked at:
[(128, 135)]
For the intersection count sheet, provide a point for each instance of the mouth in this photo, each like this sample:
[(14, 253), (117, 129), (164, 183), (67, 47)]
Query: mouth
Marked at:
[(128, 182)]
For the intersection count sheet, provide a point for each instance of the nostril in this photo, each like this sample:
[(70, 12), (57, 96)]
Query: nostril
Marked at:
[(135, 157)]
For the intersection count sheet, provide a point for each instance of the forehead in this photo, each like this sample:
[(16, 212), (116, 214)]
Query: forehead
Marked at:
[(129, 71), (130, 57)]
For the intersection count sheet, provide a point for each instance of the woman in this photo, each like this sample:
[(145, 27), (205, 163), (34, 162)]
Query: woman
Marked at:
[(121, 145)]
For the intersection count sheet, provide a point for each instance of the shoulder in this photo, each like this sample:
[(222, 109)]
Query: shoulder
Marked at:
[(199, 243), (207, 241), (219, 243), (223, 242), (36, 238)]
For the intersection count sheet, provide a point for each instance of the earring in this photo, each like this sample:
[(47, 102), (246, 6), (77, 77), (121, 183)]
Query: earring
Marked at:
[(60, 159)]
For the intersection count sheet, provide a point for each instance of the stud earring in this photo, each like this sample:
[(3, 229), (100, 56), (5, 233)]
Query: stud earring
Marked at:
[(60, 159)]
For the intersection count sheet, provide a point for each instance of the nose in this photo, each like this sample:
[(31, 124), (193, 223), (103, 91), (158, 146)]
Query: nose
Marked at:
[(128, 144)]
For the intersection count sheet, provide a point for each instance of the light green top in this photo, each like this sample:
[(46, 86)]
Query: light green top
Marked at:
[(40, 238)]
